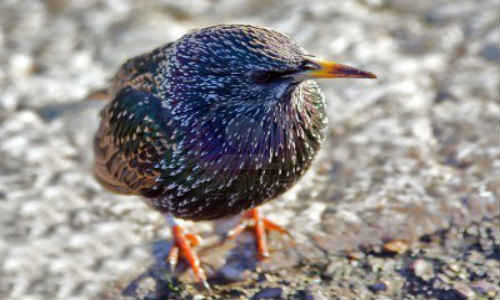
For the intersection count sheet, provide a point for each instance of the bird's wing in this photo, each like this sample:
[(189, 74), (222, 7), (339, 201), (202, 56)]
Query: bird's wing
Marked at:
[(128, 142)]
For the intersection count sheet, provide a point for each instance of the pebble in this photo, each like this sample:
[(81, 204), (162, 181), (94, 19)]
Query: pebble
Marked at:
[(9, 101), (454, 267), (486, 288), (441, 14), (21, 65), (423, 269), (464, 290), (378, 287), (396, 246), (304, 295), (490, 52), (355, 255), (268, 293), (146, 286)]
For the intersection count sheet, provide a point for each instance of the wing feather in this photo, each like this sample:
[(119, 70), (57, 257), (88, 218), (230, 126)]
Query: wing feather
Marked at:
[(124, 148)]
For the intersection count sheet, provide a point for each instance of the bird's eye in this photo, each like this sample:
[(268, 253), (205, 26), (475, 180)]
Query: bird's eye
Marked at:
[(307, 65), (262, 77)]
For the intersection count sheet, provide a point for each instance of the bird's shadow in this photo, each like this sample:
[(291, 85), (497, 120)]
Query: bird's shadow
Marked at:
[(165, 283), (224, 261)]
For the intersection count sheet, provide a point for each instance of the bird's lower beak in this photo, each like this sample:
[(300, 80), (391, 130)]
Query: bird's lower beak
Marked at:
[(330, 69)]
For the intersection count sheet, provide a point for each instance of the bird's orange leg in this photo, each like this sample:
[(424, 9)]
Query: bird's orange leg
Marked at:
[(183, 243), (252, 218)]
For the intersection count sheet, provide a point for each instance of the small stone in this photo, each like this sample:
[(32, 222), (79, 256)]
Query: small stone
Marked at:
[(355, 255), (464, 290), (21, 65), (443, 95), (304, 294), (268, 293), (9, 101), (445, 13), (334, 267), (454, 267), (233, 272), (444, 278), (472, 230), (378, 287), (484, 287), (423, 269), (475, 257), (490, 52), (146, 286), (234, 294), (396, 246)]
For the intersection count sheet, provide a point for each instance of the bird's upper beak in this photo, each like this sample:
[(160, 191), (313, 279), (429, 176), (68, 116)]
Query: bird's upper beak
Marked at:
[(329, 69)]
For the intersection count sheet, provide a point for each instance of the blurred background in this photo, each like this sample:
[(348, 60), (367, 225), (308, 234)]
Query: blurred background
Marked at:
[(402, 201)]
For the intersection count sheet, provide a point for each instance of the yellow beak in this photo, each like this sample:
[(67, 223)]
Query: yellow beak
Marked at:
[(330, 69)]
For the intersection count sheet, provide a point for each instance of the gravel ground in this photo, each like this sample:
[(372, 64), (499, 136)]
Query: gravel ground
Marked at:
[(403, 200)]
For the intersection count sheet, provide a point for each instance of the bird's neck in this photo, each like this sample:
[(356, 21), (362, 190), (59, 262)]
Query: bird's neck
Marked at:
[(251, 135)]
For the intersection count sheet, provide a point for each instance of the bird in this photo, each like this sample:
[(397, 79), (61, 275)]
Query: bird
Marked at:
[(214, 124)]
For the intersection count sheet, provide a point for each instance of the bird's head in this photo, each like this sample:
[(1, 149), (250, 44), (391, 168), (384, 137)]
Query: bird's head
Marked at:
[(245, 64)]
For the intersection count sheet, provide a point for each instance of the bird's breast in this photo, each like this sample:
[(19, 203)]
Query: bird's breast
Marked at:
[(229, 159)]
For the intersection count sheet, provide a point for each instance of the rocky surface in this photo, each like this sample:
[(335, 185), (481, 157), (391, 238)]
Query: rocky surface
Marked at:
[(402, 202)]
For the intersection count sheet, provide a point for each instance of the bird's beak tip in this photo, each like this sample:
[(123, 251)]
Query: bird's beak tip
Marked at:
[(371, 75)]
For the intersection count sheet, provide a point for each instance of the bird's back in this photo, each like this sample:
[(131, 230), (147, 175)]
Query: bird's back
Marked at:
[(122, 154)]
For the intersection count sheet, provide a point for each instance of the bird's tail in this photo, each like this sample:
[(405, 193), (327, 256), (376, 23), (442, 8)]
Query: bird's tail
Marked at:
[(103, 94)]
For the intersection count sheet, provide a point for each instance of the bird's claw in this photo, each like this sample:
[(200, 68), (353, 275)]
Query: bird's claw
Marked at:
[(260, 225), (183, 243), (173, 257)]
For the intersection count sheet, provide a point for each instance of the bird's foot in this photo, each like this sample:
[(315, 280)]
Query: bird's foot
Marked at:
[(252, 218), (183, 245)]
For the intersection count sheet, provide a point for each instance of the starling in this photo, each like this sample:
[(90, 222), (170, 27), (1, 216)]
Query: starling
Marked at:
[(217, 122)]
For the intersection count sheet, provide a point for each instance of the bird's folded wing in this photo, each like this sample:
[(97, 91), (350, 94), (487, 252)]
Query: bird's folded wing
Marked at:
[(125, 146)]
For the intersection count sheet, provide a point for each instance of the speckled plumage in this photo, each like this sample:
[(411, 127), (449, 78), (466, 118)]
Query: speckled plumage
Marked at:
[(210, 125)]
